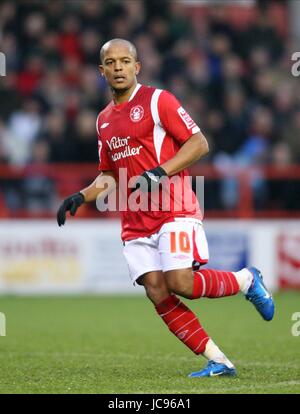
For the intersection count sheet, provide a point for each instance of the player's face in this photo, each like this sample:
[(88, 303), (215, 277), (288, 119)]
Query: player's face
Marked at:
[(119, 67)]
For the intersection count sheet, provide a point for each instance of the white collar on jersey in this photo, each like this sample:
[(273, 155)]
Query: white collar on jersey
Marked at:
[(134, 92)]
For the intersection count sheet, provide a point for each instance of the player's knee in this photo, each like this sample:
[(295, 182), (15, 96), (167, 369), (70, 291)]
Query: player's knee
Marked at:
[(155, 287), (180, 282)]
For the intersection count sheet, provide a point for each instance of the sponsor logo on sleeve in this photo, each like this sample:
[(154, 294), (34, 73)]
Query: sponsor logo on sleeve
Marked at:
[(186, 118)]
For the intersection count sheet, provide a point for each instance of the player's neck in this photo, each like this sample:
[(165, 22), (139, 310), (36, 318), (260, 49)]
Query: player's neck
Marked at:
[(123, 95)]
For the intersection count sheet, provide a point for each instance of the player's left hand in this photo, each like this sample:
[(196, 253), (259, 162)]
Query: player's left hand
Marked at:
[(149, 179)]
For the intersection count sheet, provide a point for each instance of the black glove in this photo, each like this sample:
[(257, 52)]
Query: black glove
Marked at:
[(69, 204), (149, 179)]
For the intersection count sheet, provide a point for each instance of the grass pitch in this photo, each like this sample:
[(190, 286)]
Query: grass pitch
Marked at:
[(118, 345)]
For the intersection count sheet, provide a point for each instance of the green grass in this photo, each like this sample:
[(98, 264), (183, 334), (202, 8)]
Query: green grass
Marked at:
[(119, 345)]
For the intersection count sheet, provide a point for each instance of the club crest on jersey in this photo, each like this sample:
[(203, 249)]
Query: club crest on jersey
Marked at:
[(136, 113)]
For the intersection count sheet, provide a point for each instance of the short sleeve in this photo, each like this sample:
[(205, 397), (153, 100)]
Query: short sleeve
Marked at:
[(105, 163), (174, 119)]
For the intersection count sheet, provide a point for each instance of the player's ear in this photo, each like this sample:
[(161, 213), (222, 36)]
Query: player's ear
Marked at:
[(101, 70), (137, 67)]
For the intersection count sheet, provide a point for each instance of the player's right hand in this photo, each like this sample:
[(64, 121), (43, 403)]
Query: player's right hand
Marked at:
[(69, 204)]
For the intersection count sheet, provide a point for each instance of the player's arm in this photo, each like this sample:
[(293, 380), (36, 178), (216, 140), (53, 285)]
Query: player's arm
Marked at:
[(100, 187), (193, 145), (191, 151), (103, 185)]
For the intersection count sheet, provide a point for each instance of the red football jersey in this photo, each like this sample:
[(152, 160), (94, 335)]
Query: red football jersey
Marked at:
[(139, 135)]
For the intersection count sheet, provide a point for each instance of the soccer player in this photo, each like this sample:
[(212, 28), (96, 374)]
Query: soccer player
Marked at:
[(146, 131)]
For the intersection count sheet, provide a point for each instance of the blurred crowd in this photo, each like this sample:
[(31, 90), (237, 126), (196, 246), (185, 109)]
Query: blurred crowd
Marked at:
[(235, 82)]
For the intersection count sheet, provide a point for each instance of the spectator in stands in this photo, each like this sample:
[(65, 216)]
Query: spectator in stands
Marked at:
[(83, 137), (283, 193), (223, 72), (38, 190), (59, 137), (236, 120), (24, 126), (4, 140), (291, 136)]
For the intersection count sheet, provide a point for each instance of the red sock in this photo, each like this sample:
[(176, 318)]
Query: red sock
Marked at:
[(214, 284), (183, 323)]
